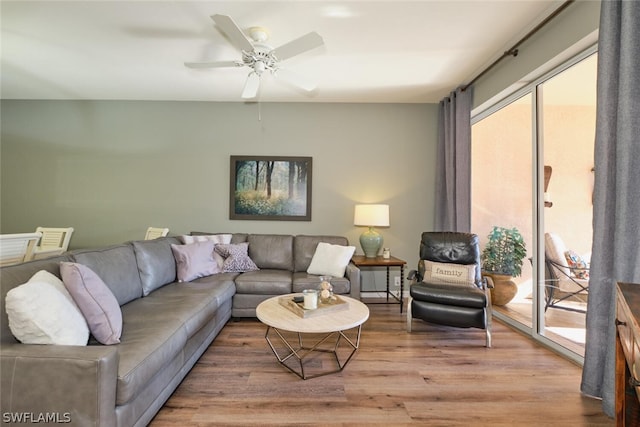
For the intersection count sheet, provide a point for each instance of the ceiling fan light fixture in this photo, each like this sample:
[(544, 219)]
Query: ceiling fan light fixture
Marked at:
[(259, 34), (259, 67)]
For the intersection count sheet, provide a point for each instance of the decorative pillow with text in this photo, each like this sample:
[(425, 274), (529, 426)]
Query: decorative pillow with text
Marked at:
[(449, 273)]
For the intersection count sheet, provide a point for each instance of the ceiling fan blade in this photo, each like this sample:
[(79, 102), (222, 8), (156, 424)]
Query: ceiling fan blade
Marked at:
[(298, 46), (215, 64), (295, 79), (231, 29), (251, 86)]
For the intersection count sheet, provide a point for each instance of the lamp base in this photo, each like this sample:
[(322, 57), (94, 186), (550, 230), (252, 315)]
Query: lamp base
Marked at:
[(371, 242)]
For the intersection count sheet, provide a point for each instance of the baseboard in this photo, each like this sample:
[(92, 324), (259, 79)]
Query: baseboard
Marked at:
[(381, 294)]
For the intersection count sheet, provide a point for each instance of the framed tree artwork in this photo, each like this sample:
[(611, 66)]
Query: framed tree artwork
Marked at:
[(270, 188)]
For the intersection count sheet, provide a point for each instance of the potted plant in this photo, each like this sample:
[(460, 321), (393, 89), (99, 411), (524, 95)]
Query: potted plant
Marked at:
[(502, 260)]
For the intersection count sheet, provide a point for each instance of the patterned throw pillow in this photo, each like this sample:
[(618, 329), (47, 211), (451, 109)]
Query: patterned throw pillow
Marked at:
[(578, 266), (236, 258)]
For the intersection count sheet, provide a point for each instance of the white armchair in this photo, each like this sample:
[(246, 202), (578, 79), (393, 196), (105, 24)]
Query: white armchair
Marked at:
[(17, 248), (54, 241), (155, 232)]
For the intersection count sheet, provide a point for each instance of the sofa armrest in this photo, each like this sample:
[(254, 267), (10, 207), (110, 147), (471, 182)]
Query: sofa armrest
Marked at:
[(75, 384), (353, 274)]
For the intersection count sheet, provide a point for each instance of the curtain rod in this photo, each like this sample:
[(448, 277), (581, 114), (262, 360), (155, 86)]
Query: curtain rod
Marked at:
[(514, 49)]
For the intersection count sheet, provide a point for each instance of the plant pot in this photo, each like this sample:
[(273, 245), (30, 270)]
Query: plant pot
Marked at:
[(504, 288)]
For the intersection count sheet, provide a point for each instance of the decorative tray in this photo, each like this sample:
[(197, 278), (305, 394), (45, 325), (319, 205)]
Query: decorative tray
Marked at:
[(337, 304)]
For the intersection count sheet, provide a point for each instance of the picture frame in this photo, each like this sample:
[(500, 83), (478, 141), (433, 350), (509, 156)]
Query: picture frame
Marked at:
[(275, 188)]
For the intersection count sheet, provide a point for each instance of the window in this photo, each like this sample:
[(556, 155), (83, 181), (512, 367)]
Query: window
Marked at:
[(532, 168)]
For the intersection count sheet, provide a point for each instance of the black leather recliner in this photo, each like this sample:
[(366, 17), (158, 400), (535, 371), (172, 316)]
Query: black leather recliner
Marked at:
[(465, 306)]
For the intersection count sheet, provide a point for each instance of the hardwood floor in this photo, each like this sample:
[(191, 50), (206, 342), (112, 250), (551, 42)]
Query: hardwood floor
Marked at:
[(435, 376)]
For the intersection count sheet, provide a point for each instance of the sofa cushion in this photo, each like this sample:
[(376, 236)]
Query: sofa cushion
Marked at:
[(41, 313), (117, 267), (271, 251), (330, 260), (195, 260), (156, 264), (448, 294), (305, 246), (95, 300), (159, 326), (152, 339), (271, 282)]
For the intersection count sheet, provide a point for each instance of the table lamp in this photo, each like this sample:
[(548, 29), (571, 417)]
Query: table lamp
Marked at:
[(371, 216)]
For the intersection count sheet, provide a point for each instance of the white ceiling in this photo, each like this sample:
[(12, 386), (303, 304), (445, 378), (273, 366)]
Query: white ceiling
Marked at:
[(375, 51)]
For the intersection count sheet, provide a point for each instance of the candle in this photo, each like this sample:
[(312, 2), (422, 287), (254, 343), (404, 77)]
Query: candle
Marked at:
[(310, 299)]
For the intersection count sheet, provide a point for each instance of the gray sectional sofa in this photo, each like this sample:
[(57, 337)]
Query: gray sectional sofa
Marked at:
[(164, 332)]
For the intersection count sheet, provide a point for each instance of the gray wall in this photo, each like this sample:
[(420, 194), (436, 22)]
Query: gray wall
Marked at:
[(110, 169)]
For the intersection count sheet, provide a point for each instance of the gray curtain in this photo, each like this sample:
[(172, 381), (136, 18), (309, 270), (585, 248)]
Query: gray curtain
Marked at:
[(453, 167), (616, 205)]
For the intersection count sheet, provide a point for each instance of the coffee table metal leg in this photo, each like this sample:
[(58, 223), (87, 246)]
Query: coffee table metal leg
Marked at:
[(301, 352)]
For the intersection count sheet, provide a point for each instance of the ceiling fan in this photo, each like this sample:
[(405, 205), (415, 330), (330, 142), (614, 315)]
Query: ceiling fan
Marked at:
[(260, 57)]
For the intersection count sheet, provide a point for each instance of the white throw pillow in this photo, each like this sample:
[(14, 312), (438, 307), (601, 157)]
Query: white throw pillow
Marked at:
[(45, 276), (330, 260), (449, 273), (40, 314)]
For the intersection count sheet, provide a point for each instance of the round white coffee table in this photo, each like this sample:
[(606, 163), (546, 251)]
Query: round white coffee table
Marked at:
[(332, 328)]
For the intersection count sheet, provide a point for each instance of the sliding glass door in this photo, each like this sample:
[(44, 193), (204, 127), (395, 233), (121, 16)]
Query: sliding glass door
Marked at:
[(502, 193), (567, 117), (532, 169)]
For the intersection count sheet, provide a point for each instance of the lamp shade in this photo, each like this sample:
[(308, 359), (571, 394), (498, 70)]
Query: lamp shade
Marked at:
[(371, 215)]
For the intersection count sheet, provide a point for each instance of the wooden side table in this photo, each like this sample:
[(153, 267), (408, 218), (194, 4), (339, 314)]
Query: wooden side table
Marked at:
[(361, 261)]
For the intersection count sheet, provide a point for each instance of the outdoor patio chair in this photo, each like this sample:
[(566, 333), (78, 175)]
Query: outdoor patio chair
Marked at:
[(563, 282)]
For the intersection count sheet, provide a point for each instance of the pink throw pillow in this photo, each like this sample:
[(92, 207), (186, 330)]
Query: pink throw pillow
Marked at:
[(95, 300), (195, 260)]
